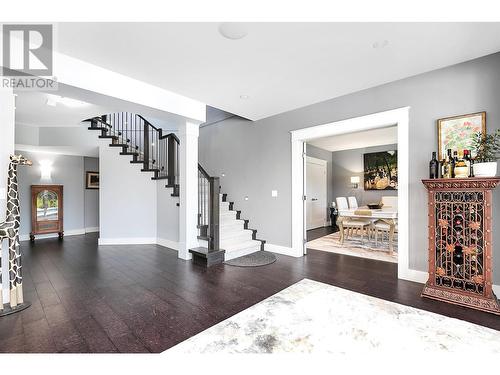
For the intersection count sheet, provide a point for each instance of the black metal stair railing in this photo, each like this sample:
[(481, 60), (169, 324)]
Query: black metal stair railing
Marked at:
[(208, 209), (159, 154), (147, 144)]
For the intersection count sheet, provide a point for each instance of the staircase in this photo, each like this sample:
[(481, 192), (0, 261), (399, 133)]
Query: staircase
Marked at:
[(222, 234)]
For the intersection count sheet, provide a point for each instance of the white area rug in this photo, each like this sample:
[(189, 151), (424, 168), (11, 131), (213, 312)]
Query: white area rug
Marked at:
[(312, 317), (354, 247)]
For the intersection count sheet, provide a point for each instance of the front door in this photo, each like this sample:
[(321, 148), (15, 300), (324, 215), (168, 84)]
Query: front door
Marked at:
[(316, 206)]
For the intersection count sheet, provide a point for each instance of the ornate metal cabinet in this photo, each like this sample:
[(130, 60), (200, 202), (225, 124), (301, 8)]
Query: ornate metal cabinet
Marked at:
[(460, 242)]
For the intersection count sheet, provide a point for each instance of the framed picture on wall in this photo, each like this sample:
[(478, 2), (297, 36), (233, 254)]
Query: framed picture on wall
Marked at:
[(92, 180), (381, 170), (456, 132)]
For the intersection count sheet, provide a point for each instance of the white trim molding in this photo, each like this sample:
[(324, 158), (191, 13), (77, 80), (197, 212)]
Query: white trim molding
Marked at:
[(174, 245), (128, 241), (496, 289), (399, 117), (281, 250), (92, 230)]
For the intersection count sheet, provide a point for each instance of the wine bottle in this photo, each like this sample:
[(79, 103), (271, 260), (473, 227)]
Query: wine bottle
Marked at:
[(467, 161), (446, 168), (461, 169), (433, 167), (452, 164)]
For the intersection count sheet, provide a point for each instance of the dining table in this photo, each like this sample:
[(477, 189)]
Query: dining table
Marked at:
[(386, 214)]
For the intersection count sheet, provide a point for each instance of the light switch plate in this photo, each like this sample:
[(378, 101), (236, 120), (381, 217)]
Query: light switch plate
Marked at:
[(274, 193), (3, 193)]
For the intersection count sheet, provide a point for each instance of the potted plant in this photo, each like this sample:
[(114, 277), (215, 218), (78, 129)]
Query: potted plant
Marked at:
[(487, 150)]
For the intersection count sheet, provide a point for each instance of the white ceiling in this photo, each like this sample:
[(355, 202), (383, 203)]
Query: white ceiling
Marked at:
[(279, 66), (350, 141), (32, 110)]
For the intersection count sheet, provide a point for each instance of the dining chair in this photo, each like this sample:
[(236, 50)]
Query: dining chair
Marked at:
[(353, 203), (384, 228), (352, 225), (389, 201), (342, 203), (392, 202)]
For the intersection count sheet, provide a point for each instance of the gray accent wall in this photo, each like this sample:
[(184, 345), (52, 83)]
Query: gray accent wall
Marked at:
[(256, 156), (91, 198), (348, 163), (66, 171)]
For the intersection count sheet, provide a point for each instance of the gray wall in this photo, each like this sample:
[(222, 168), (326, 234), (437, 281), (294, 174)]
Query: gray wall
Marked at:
[(66, 171), (319, 153), (256, 156), (91, 196), (349, 163)]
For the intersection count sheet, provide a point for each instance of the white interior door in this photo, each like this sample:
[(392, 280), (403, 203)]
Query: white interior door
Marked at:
[(315, 193)]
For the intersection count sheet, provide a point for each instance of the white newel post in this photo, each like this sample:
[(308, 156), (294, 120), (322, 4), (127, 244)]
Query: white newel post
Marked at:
[(7, 121), (188, 172)]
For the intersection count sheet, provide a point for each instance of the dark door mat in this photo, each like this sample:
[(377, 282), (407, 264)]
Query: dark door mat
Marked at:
[(257, 259)]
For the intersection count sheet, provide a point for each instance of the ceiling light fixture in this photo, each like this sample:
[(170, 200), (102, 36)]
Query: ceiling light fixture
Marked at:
[(53, 100), (232, 30), (244, 97), (380, 44)]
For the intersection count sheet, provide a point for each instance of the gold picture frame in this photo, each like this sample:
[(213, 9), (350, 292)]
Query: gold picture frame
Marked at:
[(456, 132)]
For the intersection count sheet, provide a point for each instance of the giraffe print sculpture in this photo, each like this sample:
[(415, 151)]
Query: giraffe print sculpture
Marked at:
[(9, 230)]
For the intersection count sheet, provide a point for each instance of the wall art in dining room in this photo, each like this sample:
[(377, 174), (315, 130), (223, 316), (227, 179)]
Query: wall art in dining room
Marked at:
[(381, 170)]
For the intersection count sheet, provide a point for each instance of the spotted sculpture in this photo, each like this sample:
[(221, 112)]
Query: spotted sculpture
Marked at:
[(9, 230)]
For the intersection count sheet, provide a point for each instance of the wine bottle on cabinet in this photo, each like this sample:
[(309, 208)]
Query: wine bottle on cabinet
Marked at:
[(446, 167), (433, 167), (451, 160)]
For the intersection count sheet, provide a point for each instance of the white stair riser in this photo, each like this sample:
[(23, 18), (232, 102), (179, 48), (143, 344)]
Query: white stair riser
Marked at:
[(241, 252), (243, 235)]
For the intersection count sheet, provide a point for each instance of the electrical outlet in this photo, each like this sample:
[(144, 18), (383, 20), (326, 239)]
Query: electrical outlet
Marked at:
[(274, 193)]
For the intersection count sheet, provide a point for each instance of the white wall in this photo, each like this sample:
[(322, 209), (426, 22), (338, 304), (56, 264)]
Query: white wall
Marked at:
[(167, 216), (127, 199), (7, 117), (91, 197)]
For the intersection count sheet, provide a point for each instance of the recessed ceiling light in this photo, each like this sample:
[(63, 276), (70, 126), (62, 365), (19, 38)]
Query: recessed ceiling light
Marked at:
[(244, 97), (380, 44), (232, 30)]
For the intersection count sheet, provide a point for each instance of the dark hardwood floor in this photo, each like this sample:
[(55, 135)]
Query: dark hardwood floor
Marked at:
[(142, 298), (315, 233)]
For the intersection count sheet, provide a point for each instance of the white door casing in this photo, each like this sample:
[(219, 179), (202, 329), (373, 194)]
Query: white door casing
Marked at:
[(399, 116), (316, 191)]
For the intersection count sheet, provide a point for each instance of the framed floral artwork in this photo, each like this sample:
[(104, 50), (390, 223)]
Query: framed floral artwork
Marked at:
[(456, 132)]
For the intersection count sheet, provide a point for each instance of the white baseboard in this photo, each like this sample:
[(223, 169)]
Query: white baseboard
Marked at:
[(92, 230), (127, 241), (168, 243), (73, 232), (496, 289), (281, 250), (414, 275)]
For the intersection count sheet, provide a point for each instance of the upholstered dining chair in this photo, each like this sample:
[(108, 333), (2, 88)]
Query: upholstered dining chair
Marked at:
[(353, 202), (389, 201), (383, 228), (349, 225)]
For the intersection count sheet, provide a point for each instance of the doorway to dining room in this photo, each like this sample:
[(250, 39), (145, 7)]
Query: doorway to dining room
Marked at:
[(385, 181), (360, 178)]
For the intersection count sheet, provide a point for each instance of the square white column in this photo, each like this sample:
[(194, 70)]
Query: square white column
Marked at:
[(188, 173), (7, 123)]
